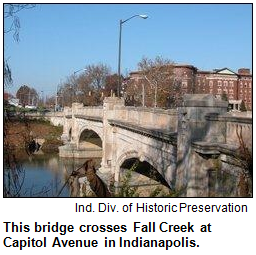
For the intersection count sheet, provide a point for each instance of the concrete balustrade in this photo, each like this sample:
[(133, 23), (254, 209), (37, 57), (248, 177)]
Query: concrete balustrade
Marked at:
[(148, 117)]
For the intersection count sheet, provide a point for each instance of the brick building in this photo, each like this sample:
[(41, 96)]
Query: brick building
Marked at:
[(236, 87)]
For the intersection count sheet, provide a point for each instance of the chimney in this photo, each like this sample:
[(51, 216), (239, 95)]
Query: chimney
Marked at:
[(245, 71)]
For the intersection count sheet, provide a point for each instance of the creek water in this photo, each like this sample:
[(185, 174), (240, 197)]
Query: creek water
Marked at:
[(44, 175)]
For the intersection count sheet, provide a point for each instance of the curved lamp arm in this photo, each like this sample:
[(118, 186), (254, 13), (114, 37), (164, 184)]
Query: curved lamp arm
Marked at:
[(137, 15)]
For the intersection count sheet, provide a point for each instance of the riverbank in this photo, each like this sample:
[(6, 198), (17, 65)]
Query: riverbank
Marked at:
[(20, 131)]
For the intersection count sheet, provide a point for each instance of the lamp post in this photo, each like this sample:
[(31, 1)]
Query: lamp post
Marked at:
[(143, 94), (121, 22), (59, 94), (56, 98)]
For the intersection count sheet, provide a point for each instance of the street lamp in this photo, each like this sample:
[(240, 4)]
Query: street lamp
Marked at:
[(56, 98), (120, 42), (83, 69)]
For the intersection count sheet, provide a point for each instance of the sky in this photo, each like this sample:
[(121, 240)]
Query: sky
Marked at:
[(58, 39)]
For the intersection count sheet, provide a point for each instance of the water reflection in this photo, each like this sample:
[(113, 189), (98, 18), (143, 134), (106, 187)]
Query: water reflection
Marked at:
[(46, 174)]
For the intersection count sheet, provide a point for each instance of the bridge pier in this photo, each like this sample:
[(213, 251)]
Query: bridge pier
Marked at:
[(193, 127), (109, 145)]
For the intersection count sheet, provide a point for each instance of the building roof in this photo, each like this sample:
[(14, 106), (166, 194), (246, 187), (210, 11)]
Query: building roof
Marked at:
[(224, 70), (186, 66)]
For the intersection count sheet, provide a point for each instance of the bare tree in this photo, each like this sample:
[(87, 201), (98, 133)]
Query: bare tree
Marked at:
[(244, 160), (7, 74), (87, 88), (97, 75), (175, 93), (111, 85), (12, 21), (12, 24), (158, 78), (50, 101), (27, 95)]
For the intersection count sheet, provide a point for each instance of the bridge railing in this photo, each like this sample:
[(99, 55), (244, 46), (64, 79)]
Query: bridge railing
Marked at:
[(89, 111), (236, 125), (67, 111), (239, 126), (147, 117)]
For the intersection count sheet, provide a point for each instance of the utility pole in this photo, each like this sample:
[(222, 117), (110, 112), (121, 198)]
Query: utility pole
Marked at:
[(56, 99), (29, 97), (42, 92), (143, 94)]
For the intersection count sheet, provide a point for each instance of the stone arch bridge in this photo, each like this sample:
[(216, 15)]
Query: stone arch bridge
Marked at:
[(180, 144)]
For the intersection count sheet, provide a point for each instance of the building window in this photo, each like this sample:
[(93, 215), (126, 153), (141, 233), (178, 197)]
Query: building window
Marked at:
[(219, 91), (250, 85), (225, 83), (211, 84), (231, 84), (219, 83), (184, 84)]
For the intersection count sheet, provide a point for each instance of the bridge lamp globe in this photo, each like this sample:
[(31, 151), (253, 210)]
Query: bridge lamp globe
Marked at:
[(143, 16)]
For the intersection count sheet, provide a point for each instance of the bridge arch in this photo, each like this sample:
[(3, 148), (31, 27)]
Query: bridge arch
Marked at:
[(89, 136), (135, 154), (146, 167), (95, 129)]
